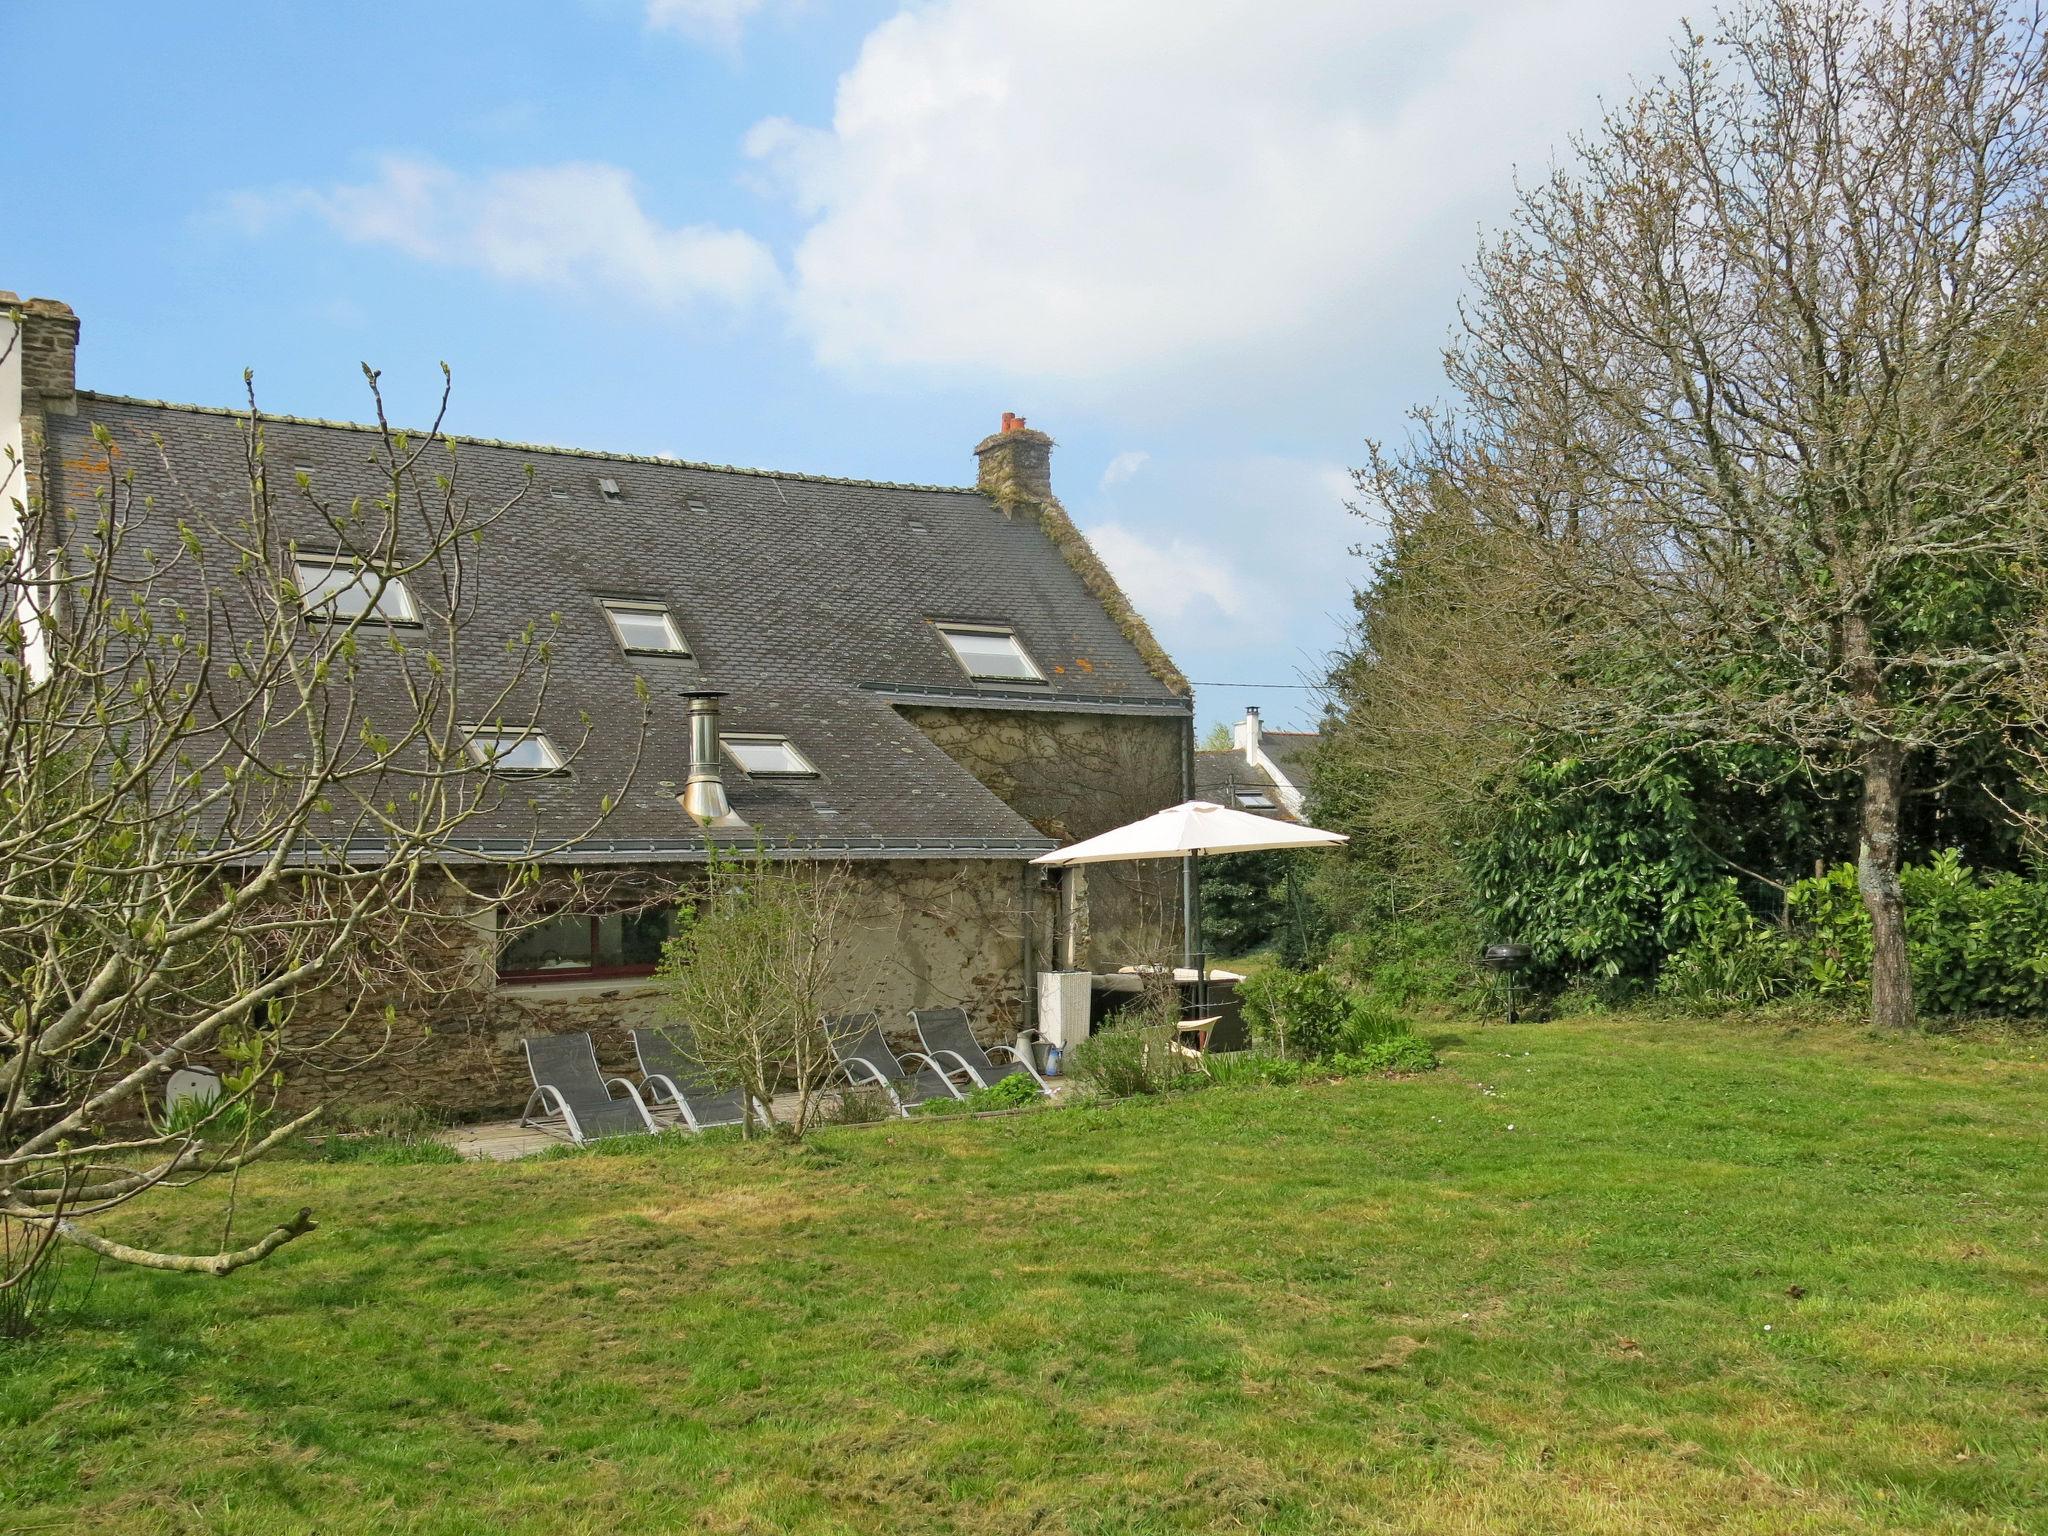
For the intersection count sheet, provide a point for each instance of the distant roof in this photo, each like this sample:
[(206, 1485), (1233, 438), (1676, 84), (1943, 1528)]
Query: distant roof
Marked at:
[(809, 599), (1290, 749), (1223, 777)]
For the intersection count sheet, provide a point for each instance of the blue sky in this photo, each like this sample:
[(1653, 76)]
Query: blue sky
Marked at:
[(1212, 247)]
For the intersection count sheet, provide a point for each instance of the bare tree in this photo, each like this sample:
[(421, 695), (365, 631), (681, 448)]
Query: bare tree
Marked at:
[(759, 957), (1746, 386), (228, 778)]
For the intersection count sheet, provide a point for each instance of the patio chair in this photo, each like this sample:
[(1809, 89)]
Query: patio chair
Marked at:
[(567, 1082), (867, 1061), (673, 1077), (948, 1039)]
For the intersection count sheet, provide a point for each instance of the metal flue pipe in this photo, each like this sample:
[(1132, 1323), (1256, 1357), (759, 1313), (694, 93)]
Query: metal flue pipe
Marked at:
[(703, 796)]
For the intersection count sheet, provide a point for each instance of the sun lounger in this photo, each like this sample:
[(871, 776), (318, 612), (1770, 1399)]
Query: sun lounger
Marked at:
[(866, 1059), (672, 1076), (948, 1039), (567, 1084)]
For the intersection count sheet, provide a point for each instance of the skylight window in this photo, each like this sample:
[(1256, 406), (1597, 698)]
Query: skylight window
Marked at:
[(990, 654), (338, 588), (645, 627), (768, 757), (1254, 800), (608, 488), (527, 752)]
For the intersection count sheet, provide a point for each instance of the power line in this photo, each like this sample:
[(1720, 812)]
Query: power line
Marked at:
[(1304, 687)]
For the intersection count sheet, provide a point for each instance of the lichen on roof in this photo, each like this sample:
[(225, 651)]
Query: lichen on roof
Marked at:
[(1073, 547)]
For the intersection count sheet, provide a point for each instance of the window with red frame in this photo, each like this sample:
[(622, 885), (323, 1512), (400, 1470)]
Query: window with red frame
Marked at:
[(574, 945)]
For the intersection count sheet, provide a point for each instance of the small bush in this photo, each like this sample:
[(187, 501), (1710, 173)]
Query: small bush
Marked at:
[(1123, 1062), (1403, 1053), (208, 1119), (1312, 1014), (1242, 1069), (1013, 1092), (1978, 944), (1410, 962), (860, 1105)]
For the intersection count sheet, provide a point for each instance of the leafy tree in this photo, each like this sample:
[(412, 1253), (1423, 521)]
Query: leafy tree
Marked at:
[(1741, 400)]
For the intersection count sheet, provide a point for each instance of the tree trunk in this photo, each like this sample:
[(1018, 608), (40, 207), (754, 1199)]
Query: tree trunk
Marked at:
[(1877, 878)]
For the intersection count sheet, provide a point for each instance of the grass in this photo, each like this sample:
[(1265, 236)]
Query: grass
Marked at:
[(1550, 1288)]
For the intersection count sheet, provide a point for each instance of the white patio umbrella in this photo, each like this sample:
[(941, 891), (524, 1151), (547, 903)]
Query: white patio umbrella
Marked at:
[(1187, 831)]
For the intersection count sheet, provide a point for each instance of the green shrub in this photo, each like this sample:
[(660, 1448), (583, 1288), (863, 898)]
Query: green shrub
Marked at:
[(1409, 962), (1978, 944), (1401, 1053), (1735, 962), (1119, 1063), (1016, 1091), (208, 1119), (1313, 1014), (860, 1104)]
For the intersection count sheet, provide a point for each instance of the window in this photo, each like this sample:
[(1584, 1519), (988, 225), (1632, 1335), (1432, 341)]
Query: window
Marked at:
[(1255, 800), (989, 654), (570, 945), (768, 757), (645, 627), (340, 587), (514, 751)]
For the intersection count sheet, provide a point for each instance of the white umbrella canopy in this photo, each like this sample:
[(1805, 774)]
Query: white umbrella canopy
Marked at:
[(1195, 827)]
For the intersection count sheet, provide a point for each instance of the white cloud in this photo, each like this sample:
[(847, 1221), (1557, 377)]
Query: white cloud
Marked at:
[(1123, 466), (578, 226), (1169, 577), (717, 22), (1096, 190)]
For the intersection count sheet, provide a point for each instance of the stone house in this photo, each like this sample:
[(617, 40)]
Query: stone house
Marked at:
[(926, 684)]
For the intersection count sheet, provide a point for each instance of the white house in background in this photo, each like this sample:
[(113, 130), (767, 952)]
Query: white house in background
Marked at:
[(1263, 771)]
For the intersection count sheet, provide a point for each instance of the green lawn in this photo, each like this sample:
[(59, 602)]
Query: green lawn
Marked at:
[(1547, 1289)]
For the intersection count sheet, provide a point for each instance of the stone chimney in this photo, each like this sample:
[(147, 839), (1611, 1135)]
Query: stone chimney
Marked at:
[(1016, 464), (38, 378), (47, 351)]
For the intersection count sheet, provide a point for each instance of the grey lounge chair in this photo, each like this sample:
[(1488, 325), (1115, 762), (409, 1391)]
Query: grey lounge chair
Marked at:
[(567, 1082), (673, 1076), (949, 1040), (867, 1061)]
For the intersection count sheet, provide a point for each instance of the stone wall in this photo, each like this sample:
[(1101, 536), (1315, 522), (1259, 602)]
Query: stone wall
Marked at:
[(927, 933), (1073, 776)]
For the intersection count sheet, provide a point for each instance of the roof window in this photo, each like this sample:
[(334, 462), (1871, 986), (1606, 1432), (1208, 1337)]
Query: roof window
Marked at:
[(991, 653), (1255, 800), (608, 488), (645, 628), (768, 757), (514, 752), (340, 587)]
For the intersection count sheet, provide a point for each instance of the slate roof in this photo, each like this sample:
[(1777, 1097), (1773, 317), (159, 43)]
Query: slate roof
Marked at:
[(1290, 749), (809, 599), (1220, 776)]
